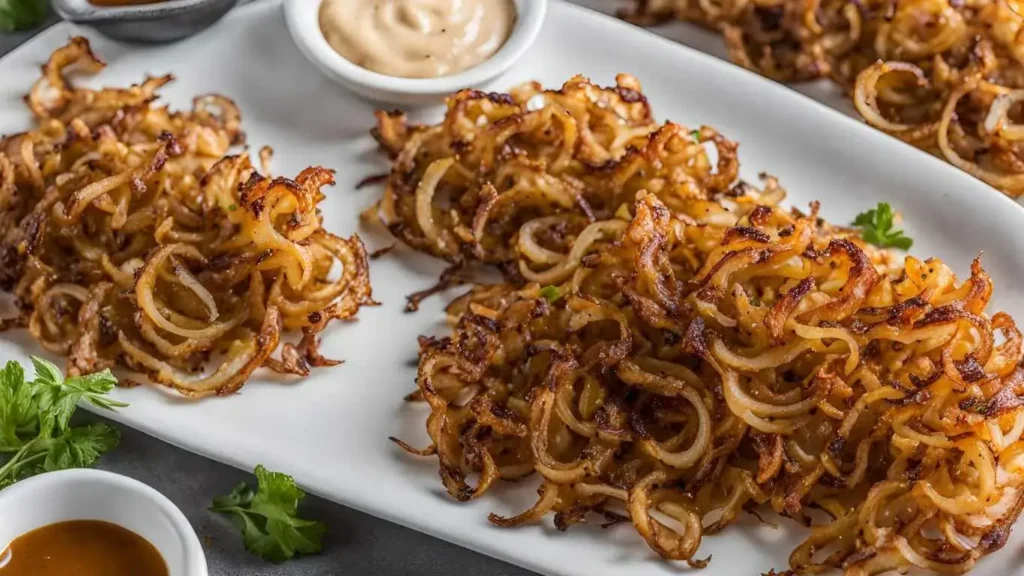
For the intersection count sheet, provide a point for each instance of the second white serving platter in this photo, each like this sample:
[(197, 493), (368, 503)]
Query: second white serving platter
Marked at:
[(330, 431)]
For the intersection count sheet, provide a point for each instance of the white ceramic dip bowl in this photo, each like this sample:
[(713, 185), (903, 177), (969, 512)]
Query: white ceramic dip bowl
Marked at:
[(84, 494), (303, 17)]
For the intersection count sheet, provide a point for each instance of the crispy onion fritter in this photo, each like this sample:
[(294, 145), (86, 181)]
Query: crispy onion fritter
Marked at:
[(944, 75), (513, 179), (130, 237), (718, 354)]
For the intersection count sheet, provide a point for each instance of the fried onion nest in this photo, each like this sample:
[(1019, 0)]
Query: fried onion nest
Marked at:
[(130, 237), (512, 179), (674, 348), (944, 75)]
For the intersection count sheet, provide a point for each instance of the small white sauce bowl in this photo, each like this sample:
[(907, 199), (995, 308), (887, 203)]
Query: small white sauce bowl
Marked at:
[(96, 495), (303, 17)]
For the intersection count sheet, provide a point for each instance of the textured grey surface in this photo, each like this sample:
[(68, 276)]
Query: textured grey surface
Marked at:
[(356, 544)]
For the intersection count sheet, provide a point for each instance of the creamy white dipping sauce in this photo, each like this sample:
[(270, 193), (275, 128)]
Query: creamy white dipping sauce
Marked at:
[(417, 38)]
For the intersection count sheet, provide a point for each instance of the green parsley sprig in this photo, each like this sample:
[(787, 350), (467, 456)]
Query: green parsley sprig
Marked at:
[(35, 418), (876, 228), (268, 517), (550, 293), (21, 14)]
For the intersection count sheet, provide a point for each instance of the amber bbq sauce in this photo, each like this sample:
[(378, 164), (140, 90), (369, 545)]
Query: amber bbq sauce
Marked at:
[(82, 548)]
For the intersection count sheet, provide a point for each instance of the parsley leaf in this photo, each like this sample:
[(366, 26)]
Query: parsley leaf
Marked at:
[(267, 517), (35, 416), (80, 447), (21, 14), (240, 496), (550, 293), (18, 408), (61, 396), (46, 372), (876, 228)]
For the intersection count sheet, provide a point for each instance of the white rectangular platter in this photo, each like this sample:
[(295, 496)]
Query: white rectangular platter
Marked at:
[(331, 430)]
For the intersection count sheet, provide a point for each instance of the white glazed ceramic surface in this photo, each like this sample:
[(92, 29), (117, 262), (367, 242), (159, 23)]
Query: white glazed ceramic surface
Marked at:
[(331, 430), (96, 495), (303, 18)]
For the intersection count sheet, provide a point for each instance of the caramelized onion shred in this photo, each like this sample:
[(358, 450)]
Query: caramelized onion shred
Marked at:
[(708, 353), (129, 235), (944, 75)]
